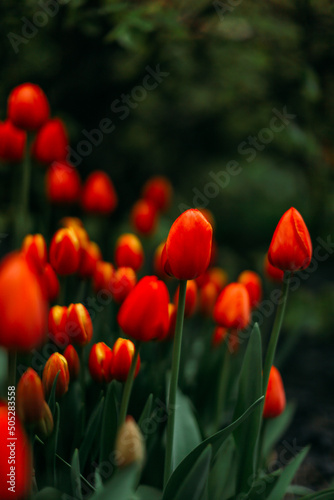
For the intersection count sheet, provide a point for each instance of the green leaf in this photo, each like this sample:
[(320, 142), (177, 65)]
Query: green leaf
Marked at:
[(109, 423), (92, 427), (148, 493), (221, 478), (52, 397), (146, 411), (250, 389), (193, 486), (121, 486), (321, 495), (75, 475), (216, 441), (275, 428)]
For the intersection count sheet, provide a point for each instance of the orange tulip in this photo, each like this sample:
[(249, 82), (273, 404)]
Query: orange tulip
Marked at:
[(123, 352), (79, 325), (63, 183), (57, 326), (291, 247), (232, 309), (34, 247), (90, 256), (65, 252), (121, 283), (274, 403), (51, 142), (98, 194), (99, 363), (102, 276), (73, 361), (30, 397), (191, 298), (129, 252), (28, 107), (158, 190), (56, 363), (253, 283), (12, 142), (144, 217)]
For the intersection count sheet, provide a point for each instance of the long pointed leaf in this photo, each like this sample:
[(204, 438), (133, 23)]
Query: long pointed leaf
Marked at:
[(92, 427), (194, 484), (75, 475)]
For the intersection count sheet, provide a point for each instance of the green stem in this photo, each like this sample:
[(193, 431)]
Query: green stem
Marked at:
[(270, 356), (23, 201), (128, 386), (174, 380), (222, 386), (12, 368)]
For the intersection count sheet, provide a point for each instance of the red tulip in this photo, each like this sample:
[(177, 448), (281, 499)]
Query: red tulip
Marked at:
[(129, 252), (274, 403), (157, 263), (15, 460), (291, 247), (99, 195), (253, 283), (191, 298), (144, 313), (63, 183), (79, 325), (272, 272), (121, 283), (30, 397), (57, 326), (51, 282), (28, 107), (23, 308), (207, 298), (73, 361), (158, 190), (123, 352), (12, 142), (144, 217), (65, 252), (51, 142), (90, 256), (99, 363), (102, 276), (56, 363), (232, 309), (188, 246), (34, 247)]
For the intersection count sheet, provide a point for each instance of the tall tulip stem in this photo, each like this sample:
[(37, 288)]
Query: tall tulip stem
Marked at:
[(23, 201), (128, 386), (174, 379)]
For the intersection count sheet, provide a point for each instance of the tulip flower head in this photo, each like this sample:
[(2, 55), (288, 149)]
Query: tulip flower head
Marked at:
[(51, 282), (90, 256), (144, 217), (129, 252), (65, 252), (102, 276), (79, 324), (123, 352), (121, 283), (188, 246), (99, 363), (98, 194), (12, 142), (51, 142), (158, 190), (28, 107), (291, 247), (34, 247), (232, 309), (57, 326), (56, 363), (63, 183), (274, 403), (252, 282), (73, 361), (30, 397)]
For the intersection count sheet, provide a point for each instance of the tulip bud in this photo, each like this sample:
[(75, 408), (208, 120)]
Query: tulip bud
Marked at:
[(129, 252), (274, 403), (102, 276), (129, 446), (207, 298), (98, 194), (56, 363), (99, 363), (63, 183), (232, 309), (34, 247), (23, 459), (30, 397), (144, 217), (12, 142), (65, 252), (51, 142), (28, 107), (123, 352), (90, 255), (51, 282), (188, 245), (79, 325), (121, 283), (158, 190), (23, 308), (57, 326), (144, 313), (291, 247), (219, 335), (44, 427), (273, 273), (252, 282), (191, 298), (73, 361)]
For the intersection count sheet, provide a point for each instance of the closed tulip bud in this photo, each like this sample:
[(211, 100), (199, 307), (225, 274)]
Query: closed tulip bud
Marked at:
[(157, 264), (98, 194), (65, 252), (191, 298), (253, 283), (188, 245), (123, 352), (99, 363), (57, 326), (232, 309), (63, 183), (129, 446), (274, 403), (12, 142), (158, 190), (121, 283), (219, 335), (51, 142), (90, 255), (23, 308), (44, 427), (144, 313), (172, 312), (291, 247), (73, 361), (273, 273), (102, 276), (28, 107), (22, 478), (207, 298), (56, 363), (30, 397), (129, 252), (79, 324), (51, 282), (34, 247), (144, 217)]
